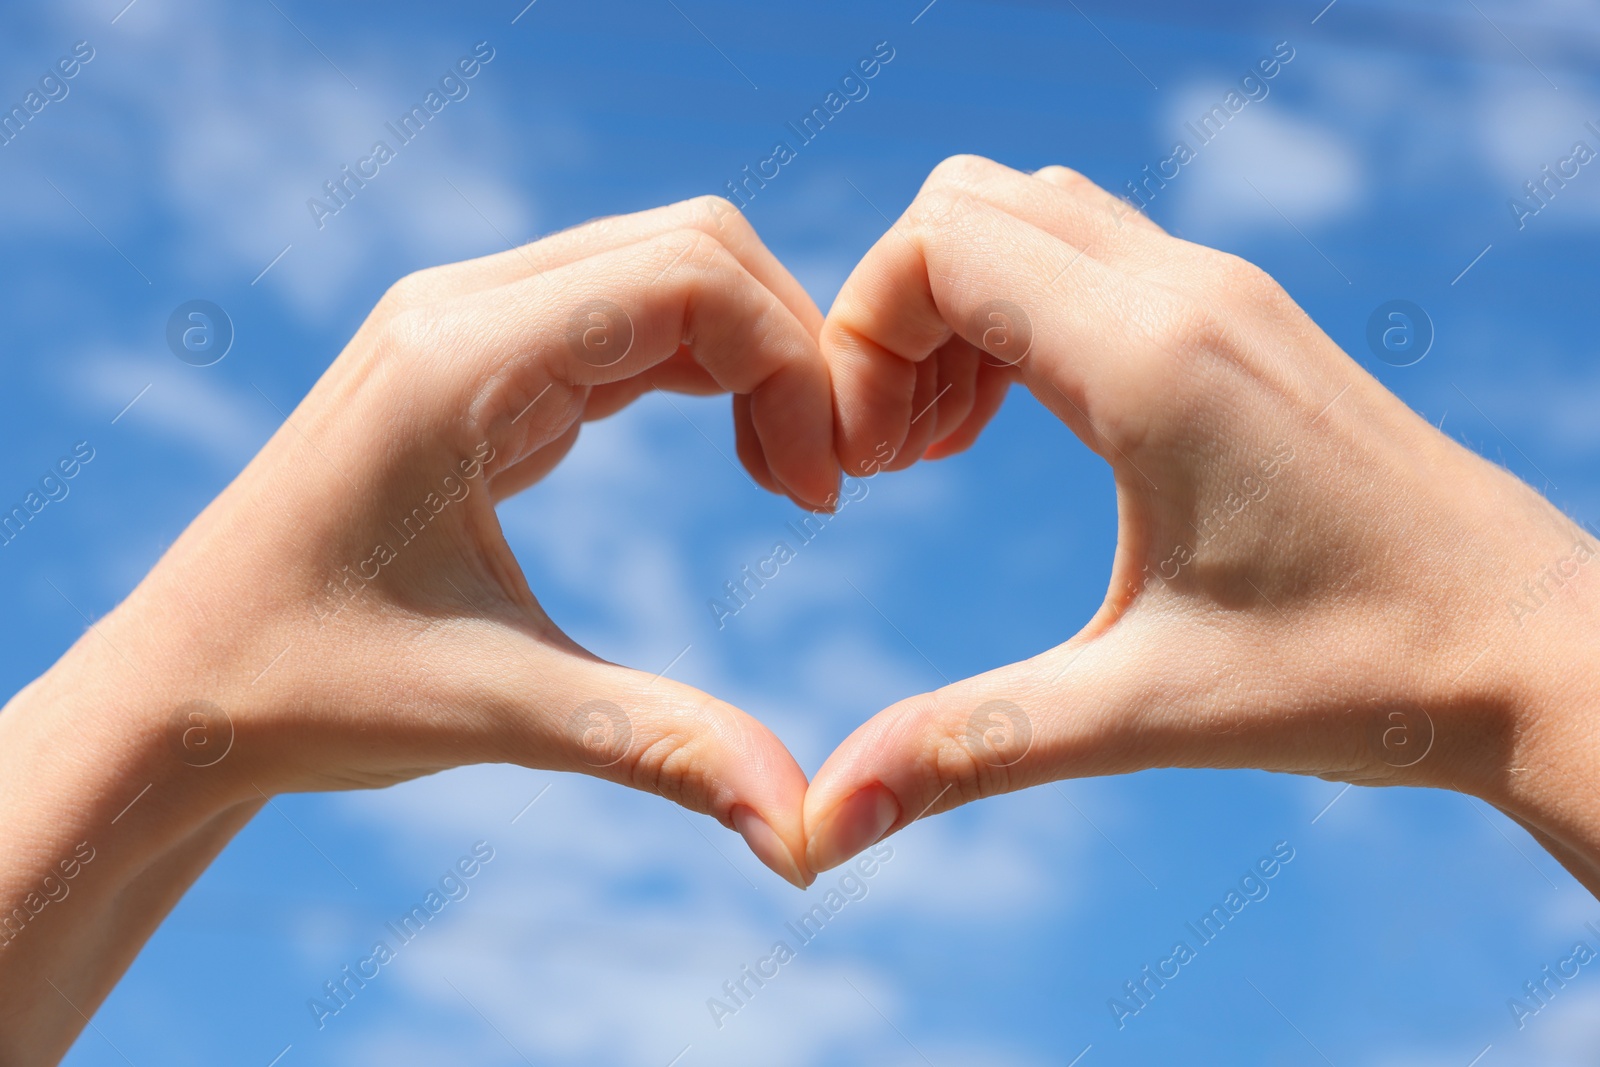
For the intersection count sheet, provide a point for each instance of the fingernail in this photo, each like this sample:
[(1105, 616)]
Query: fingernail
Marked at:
[(767, 845), (861, 820)]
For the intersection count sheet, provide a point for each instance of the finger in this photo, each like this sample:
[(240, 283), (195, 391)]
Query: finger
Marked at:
[(959, 362), (1022, 725), (700, 752), (1119, 210), (989, 392), (679, 374), (520, 354), (520, 475), (548, 704), (1080, 333), (711, 215), (1059, 201), (747, 444), (920, 430)]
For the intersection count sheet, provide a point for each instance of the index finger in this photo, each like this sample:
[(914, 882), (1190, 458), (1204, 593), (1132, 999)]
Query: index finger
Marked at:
[(521, 359)]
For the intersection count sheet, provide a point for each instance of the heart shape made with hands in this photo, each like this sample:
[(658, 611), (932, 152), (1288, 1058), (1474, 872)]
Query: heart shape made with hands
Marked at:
[(571, 329), (967, 383), (1163, 357), (930, 404)]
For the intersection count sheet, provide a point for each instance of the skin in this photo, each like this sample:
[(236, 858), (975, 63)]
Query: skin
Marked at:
[(1309, 578), (445, 657)]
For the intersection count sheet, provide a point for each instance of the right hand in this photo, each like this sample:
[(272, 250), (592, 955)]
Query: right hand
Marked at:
[(1308, 577)]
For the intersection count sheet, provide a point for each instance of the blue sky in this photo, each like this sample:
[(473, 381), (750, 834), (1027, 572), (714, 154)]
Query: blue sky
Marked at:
[(1381, 166)]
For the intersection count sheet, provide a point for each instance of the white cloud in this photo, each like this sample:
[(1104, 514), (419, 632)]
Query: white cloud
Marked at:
[(845, 666), (184, 404), (260, 130), (1303, 169), (608, 525), (989, 866), (1568, 1031), (1522, 130), (558, 947), (1565, 1033), (447, 195)]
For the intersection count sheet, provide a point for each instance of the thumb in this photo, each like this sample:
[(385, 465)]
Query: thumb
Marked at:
[(1158, 685), (1065, 713), (667, 738)]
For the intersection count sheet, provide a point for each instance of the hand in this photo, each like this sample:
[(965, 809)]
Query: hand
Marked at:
[(1308, 577), (350, 606), (414, 644)]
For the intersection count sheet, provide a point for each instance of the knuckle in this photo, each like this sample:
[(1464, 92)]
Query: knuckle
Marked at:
[(675, 751), (670, 766), (962, 171), (412, 333), (1243, 282), (411, 291), (956, 762), (695, 248), (1091, 194), (716, 214), (1191, 331), (592, 227), (1065, 177), (957, 775), (935, 209)]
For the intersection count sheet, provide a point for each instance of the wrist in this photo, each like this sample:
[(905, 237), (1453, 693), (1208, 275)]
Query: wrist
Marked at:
[(108, 715), (1545, 767), (1549, 783), (107, 825)]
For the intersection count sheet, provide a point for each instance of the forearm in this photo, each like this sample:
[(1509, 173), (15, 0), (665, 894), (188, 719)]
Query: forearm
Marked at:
[(105, 825)]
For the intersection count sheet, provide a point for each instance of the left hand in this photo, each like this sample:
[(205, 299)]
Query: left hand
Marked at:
[(350, 606)]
